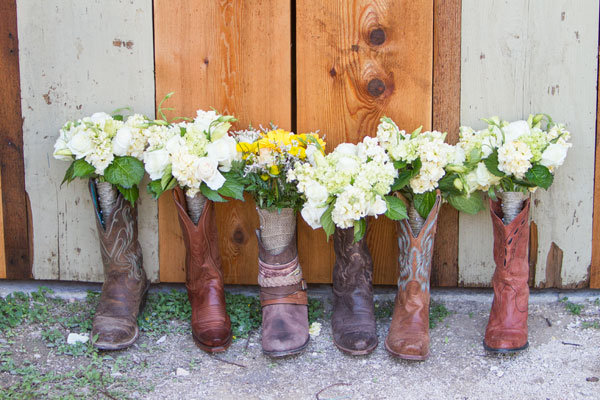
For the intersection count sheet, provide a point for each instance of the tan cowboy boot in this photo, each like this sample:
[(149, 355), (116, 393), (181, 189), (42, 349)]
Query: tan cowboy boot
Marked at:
[(506, 331), (211, 326), (408, 337), (125, 284)]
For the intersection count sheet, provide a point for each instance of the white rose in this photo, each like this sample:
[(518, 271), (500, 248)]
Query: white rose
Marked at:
[(347, 149), (100, 118), (377, 207), (484, 178), (81, 144), (347, 164), (316, 194), (122, 141), (554, 155), (61, 150), (220, 130), (156, 162), (458, 157), (312, 215), (206, 169), (223, 151), (311, 149), (174, 144), (515, 130)]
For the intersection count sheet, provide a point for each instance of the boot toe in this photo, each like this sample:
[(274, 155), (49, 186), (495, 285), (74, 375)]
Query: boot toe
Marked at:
[(114, 338), (357, 341), (215, 337), (411, 348), (284, 341), (505, 340)]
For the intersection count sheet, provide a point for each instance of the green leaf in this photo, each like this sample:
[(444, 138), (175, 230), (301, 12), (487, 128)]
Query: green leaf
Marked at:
[(118, 117), (232, 188), (399, 164), (540, 176), (130, 194), (211, 194), (167, 176), (470, 205), (446, 184), (82, 169), (404, 177), (327, 222), (171, 184), (491, 163), (492, 193), (125, 171), (424, 202), (360, 228), (155, 188), (396, 209), (68, 174)]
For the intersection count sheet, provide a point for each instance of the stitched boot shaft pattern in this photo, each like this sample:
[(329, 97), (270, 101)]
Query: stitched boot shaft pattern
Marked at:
[(353, 318), (507, 327), (408, 337), (125, 283), (211, 326)]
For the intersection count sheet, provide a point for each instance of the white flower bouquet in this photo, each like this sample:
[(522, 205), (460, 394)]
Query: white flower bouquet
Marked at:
[(197, 155), (347, 185), (518, 156), (106, 148)]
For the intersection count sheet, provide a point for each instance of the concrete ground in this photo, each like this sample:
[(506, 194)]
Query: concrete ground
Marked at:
[(562, 362)]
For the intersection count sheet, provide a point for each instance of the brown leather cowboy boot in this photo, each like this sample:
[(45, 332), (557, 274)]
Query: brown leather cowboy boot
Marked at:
[(125, 284), (211, 327), (353, 318), (283, 300), (506, 331), (408, 337)]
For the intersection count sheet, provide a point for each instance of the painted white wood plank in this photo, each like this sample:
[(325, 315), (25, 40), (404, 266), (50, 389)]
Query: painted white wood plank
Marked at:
[(525, 57), (76, 58)]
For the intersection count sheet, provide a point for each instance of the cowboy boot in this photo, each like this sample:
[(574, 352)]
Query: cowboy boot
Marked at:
[(408, 337), (506, 330), (125, 283), (211, 327), (353, 318), (282, 291)]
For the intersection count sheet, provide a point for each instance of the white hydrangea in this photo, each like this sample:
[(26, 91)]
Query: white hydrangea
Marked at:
[(514, 158)]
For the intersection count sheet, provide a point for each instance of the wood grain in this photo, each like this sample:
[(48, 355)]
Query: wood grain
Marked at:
[(234, 56), (358, 61), (2, 253), (595, 266), (446, 118), (14, 201), (533, 252)]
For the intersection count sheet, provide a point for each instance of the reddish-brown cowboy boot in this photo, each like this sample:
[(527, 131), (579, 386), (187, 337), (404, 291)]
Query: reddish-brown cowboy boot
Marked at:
[(506, 331), (211, 327), (125, 284), (353, 318), (283, 300), (408, 337)]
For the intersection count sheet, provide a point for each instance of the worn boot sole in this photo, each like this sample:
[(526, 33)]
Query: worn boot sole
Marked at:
[(278, 354), (212, 349), (356, 352), (505, 351), (410, 357)]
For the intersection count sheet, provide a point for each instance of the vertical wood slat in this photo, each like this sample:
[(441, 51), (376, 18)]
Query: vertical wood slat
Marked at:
[(358, 61), (2, 253), (234, 56), (16, 253), (595, 266), (446, 118)]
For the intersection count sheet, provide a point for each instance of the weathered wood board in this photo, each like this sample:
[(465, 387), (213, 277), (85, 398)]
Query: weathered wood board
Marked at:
[(78, 58), (233, 56), (535, 56), (2, 254), (357, 61), (595, 267)]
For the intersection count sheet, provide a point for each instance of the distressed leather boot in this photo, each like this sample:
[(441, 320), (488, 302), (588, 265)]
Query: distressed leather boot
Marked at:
[(353, 318), (284, 301), (408, 337), (125, 283), (506, 330), (211, 327)]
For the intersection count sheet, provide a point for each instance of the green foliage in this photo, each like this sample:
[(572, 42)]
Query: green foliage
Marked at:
[(572, 308), (405, 176), (424, 202), (327, 221), (210, 194), (491, 163), (360, 228), (384, 309), (315, 310), (245, 314), (273, 192), (396, 209), (131, 194), (437, 314), (78, 169), (469, 204), (540, 176), (125, 171)]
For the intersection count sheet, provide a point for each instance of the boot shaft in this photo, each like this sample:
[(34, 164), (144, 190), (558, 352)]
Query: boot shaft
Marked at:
[(353, 266)]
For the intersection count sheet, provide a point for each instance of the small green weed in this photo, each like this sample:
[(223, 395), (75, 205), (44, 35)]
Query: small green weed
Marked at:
[(245, 314), (590, 324), (315, 310), (437, 313), (384, 309), (572, 308)]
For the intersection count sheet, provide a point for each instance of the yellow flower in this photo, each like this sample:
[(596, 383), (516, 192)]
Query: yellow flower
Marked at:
[(247, 147), (274, 170), (298, 151), (264, 177), (280, 137)]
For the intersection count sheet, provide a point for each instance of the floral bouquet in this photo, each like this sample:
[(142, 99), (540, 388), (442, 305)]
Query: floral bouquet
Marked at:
[(347, 185)]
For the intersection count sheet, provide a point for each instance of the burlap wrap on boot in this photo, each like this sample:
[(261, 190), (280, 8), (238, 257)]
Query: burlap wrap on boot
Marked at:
[(211, 326), (353, 318), (282, 290), (507, 327), (408, 337), (125, 284)]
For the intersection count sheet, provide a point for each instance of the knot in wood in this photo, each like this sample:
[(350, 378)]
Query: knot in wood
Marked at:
[(376, 87), (377, 37), (238, 236)]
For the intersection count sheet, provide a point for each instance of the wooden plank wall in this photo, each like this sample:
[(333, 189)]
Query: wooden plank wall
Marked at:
[(595, 267), (78, 58), (2, 251), (532, 56), (16, 255), (234, 56)]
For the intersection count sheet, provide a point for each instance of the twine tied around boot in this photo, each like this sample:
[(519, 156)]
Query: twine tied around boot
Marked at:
[(277, 229), (107, 196), (195, 206), (415, 220), (512, 204)]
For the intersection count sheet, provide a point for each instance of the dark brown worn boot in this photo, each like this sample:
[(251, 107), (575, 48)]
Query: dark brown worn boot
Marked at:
[(408, 337), (283, 300), (125, 284), (211, 327), (506, 331), (353, 319)]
